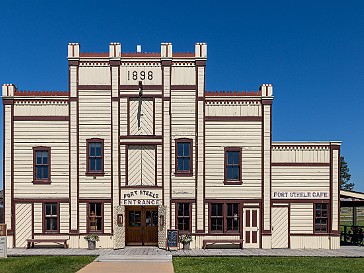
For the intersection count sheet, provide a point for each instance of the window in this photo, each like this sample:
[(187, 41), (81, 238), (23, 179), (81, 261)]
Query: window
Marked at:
[(183, 217), (224, 218), (51, 223), (232, 171), (321, 218), (184, 157), (95, 157), (95, 223), (41, 165)]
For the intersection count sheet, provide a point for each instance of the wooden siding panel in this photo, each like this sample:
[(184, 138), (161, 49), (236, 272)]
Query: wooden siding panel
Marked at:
[(94, 75), (233, 109), (64, 217), (146, 118), (83, 217), (107, 217), (301, 218), (95, 122), (23, 224), (123, 116), (246, 135), (183, 75), (39, 109), (158, 116), (38, 218), (29, 134), (315, 242), (127, 69), (307, 155), (300, 178), (335, 191)]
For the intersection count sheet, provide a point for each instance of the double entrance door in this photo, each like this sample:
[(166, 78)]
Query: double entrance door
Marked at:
[(142, 225)]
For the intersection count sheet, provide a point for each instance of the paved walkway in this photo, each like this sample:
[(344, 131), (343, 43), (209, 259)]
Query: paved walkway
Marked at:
[(344, 251)]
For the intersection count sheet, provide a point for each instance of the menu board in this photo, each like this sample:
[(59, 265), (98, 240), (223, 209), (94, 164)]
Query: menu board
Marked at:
[(172, 238), (3, 244)]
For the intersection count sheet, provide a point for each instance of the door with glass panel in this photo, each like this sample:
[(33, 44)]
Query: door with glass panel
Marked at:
[(142, 225)]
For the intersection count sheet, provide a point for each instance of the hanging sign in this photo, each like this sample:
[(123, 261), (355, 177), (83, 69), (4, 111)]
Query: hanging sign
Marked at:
[(301, 194), (3, 244)]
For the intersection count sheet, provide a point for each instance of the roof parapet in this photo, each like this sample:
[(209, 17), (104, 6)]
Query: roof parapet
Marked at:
[(8, 90), (73, 50), (267, 90)]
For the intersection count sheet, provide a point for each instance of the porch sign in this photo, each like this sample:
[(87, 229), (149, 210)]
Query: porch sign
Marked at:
[(172, 239), (3, 244)]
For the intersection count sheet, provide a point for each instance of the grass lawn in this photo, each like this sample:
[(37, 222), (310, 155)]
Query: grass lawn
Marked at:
[(46, 264), (267, 265)]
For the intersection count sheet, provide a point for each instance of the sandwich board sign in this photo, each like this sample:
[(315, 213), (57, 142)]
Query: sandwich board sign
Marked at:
[(3, 245)]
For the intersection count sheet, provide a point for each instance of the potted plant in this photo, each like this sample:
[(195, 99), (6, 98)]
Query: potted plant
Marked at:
[(91, 240), (185, 239)]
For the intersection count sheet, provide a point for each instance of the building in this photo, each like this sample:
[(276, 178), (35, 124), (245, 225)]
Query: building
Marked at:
[(137, 146)]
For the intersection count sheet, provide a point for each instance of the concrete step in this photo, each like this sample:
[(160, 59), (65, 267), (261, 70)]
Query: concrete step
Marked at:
[(134, 258)]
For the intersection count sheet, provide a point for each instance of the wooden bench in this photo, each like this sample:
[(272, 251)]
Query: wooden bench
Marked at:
[(56, 241), (212, 242)]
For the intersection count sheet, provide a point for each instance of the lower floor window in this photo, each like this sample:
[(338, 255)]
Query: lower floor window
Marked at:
[(95, 217), (51, 217), (183, 217), (321, 218), (224, 217)]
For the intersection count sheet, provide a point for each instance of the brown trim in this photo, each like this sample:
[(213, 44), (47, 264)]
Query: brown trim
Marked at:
[(135, 95), (166, 63), (8, 101), (115, 98), (91, 172), (102, 217), (176, 216), (119, 146), (44, 218), (35, 179), (115, 62), (41, 200), (102, 200), (112, 62), (78, 149), (200, 62), (13, 215), (73, 63), (184, 87), (267, 102), (72, 99), (142, 187), (141, 137), (315, 234), (240, 180), (176, 171), (3, 182), (32, 220), (41, 118), (328, 218), (136, 87), (156, 165), (263, 231), (140, 143), (93, 87), (301, 164), (126, 165), (299, 146), (233, 118), (225, 217)]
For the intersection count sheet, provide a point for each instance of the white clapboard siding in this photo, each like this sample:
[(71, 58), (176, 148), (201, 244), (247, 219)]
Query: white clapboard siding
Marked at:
[(107, 218), (94, 75), (44, 109), (300, 178), (29, 134), (123, 116), (83, 217), (94, 122), (23, 224), (300, 155), (141, 165), (7, 166), (38, 218), (221, 134), (280, 227), (146, 108), (158, 116), (233, 109), (315, 242), (183, 75), (183, 105), (301, 218), (64, 217)]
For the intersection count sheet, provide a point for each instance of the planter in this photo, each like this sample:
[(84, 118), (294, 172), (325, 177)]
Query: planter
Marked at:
[(186, 246), (91, 245)]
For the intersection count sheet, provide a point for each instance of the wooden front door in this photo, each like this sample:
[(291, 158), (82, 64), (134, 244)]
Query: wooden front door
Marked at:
[(251, 232), (142, 225)]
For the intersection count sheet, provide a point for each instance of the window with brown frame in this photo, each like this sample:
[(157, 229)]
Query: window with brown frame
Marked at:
[(95, 157), (95, 223), (183, 214), (41, 165), (51, 217), (224, 218), (232, 168), (321, 217), (183, 157)]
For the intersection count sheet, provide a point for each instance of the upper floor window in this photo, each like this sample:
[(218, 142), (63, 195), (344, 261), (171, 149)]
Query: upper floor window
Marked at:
[(321, 218), (232, 168), (41, 164), (184, 157), (51, 223), (95, 157)]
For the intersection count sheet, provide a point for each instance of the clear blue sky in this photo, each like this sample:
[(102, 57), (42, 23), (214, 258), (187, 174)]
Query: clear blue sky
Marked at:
[(311, 51)]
